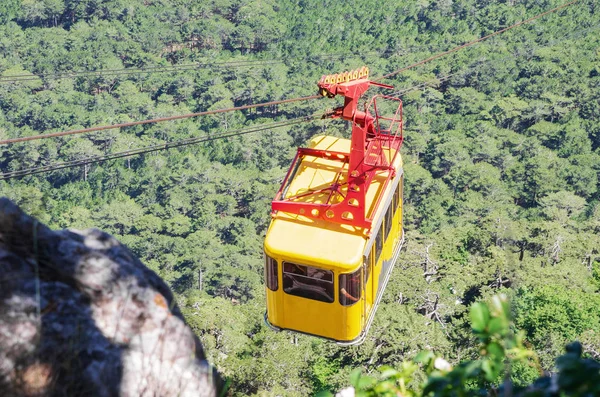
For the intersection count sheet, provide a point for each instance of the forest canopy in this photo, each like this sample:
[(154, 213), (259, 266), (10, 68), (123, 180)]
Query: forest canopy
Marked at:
[(501, 159)]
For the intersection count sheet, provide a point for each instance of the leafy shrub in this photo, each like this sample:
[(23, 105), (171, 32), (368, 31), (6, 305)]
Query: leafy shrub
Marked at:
[(504, 363)]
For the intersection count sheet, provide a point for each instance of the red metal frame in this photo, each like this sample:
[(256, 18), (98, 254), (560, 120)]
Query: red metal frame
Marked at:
[(369, 143)]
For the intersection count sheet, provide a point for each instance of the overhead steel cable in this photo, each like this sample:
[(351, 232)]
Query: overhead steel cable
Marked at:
[(470, 43), (73, 132), (165, 68), (428, 83), (128, 71), (149, 149), (151, 121), (128, 153), (440, 79), (399, 92), (479, 63)]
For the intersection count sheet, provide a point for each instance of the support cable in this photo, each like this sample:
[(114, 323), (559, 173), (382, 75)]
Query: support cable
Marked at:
[(151, 121), (73, 132), (437, 80), (470, 43), (477, 64), (169, 68), (148, 149)]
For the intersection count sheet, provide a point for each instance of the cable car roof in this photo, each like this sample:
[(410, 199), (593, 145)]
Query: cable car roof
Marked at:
[(315, 241)]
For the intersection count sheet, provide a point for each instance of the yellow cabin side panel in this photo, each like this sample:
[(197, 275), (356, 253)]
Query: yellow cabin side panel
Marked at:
[(389, 247)]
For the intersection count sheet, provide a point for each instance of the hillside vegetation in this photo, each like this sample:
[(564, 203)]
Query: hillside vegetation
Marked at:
[(501, 157)]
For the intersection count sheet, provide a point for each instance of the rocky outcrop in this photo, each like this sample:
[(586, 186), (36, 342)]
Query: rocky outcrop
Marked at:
[(81, 315)]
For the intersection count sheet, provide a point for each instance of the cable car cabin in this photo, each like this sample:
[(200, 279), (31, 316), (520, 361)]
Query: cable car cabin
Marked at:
[(336, 228), (324, 278)]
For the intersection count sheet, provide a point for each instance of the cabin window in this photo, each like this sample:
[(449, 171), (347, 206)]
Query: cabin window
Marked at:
[(378, 244), (396, 199), (350, 288), (400, 191), (271, 273), (388, 222), (308, 282), (369, 264)]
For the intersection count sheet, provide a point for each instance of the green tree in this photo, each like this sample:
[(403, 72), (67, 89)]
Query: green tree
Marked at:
[(9, 10)]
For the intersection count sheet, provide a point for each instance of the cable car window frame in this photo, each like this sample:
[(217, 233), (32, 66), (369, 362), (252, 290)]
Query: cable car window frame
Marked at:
[(271, 273), (350, 287), (368, 259), (379, 243), (294, 274), (388, 222), (396, 199), (400, 192)]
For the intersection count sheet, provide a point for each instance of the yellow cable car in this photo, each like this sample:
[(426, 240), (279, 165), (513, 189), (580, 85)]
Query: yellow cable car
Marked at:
[(336, 228)]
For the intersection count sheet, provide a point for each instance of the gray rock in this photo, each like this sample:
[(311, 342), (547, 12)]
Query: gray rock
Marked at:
[(81, 315)]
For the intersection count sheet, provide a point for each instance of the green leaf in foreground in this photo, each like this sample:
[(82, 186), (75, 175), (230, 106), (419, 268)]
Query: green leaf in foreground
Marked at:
[(480, 316)]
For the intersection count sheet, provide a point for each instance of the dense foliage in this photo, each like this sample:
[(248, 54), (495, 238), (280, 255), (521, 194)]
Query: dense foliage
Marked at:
[(502, 350), (501, 158)]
